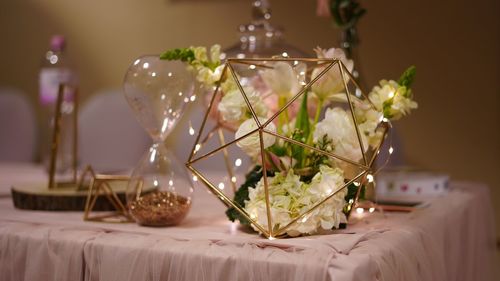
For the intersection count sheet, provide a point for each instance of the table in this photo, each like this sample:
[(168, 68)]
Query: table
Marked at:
[(451, 239)]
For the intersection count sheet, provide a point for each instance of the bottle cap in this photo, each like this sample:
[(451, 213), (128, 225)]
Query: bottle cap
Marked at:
[(57, 43)]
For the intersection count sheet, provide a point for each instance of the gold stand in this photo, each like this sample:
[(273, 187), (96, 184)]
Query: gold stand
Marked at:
[(101, 185), (56, 137)]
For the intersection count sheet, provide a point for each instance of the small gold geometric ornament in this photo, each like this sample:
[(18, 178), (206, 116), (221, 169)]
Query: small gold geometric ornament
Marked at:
[(101, 185), (310, 73)]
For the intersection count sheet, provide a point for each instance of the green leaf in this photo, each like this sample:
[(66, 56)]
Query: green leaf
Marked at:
[(277, 150), (386, 108), (302, 131), (302, 122), (346, 13), (182, 54), (407, 77)]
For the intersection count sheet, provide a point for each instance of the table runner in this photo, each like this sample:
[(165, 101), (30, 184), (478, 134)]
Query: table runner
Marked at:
[(451, 239)]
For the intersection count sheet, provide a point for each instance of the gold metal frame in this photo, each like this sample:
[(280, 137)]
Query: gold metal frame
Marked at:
[(366, 166), (56, 137), (99, 186)]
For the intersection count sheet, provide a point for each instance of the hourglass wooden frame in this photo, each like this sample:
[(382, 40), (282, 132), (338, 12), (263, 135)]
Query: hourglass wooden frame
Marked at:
[(366, 167)]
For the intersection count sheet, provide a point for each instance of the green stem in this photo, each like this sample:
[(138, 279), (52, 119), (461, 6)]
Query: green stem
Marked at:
[(313, 127), (318, 112), (316, 118), (283, 118)]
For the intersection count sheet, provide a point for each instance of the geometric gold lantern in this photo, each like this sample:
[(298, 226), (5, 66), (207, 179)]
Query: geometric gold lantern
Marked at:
[(357, 164)]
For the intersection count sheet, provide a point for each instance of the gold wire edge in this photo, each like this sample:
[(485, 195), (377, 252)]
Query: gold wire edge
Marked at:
[(296, 142), (203, 123), (208, 154), (356, 124), (226, 200), (226, 160), (237, 60), (235, 77), (266, 185), (99, 186)]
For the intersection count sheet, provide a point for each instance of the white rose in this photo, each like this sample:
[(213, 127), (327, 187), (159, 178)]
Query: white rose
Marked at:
[(233, 107), (339, 127), (331, 82), (282, 79), (251, 144)]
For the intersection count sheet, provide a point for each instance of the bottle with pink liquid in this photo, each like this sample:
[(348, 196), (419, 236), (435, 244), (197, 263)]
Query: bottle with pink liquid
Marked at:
[(55, 70)]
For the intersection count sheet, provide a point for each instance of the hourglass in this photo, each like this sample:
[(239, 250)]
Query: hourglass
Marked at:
[(160, 190)]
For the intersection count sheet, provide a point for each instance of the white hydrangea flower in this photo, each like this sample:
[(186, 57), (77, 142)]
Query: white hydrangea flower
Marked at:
[(328, 215), (233, 107), (289, 197), (331, 82), (279, 186), (251, 144), (282, 79), (326, 181), (392, 99), (339, 127)]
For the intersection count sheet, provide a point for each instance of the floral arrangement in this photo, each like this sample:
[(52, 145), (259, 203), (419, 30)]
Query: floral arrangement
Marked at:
[(298, 178)]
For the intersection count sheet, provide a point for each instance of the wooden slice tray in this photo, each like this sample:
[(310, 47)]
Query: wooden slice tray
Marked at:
[(67, 198)]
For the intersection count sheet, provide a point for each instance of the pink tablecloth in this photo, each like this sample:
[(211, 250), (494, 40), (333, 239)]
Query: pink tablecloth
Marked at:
[(451, 239)]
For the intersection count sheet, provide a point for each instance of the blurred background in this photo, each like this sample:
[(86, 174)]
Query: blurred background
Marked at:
[(454, 44)]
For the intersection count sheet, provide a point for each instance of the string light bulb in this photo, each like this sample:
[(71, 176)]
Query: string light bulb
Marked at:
[(369, 177)]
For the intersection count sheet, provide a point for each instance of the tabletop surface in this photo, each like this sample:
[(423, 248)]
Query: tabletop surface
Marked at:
[(449, 239)]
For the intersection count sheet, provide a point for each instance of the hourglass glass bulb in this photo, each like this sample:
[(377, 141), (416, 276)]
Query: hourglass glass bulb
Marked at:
[(155, 90)]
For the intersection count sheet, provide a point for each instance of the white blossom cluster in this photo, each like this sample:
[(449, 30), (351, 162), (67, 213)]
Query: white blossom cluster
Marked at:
[(289, 197)]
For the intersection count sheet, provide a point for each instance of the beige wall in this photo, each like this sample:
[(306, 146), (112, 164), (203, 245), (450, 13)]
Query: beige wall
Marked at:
[(455, 45)]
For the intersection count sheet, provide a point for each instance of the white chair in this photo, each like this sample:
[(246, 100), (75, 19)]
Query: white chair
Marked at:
[(110, 138), (17, 127)]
